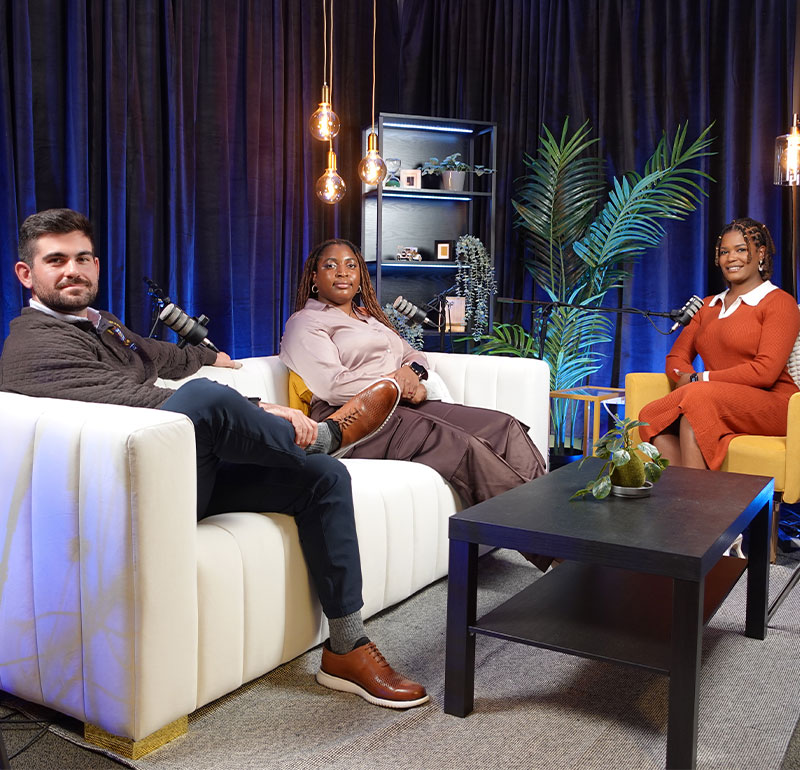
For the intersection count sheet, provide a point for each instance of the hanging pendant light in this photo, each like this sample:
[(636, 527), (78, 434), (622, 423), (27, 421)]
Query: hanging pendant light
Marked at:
[(787, 156), (330, 186), (324, 123), (787, 173), (372, 169)]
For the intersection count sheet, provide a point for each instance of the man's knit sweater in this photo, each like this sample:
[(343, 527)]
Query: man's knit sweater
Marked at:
[(45, 356)]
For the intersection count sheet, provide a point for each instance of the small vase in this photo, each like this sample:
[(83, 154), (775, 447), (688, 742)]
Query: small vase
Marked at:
[(453, 180)]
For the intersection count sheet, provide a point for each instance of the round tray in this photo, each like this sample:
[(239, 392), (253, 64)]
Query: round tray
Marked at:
[(632, 491)]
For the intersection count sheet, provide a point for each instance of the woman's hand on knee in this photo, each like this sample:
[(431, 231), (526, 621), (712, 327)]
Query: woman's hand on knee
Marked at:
[(408, 382), (420, 395)]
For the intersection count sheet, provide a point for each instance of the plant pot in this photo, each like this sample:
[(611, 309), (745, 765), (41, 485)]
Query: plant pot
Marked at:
[(453, 180)]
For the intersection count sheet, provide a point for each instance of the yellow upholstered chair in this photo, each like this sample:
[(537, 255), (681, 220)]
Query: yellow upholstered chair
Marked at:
[(776, 456)]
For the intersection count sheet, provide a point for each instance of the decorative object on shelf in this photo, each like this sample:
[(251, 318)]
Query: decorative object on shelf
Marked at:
[(455, 309), (393, 172), (576, 256), (324, 122), (408, 254), (625, 474), (787, 173), (409, 330), (372, 169), (411, 177), (330, 186), (453, 170), (475, 282), (445, 249)]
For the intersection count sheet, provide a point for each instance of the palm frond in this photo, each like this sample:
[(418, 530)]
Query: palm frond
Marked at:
[(555, 203)]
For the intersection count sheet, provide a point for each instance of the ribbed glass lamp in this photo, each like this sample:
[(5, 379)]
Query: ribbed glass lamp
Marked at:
[(787, 156)]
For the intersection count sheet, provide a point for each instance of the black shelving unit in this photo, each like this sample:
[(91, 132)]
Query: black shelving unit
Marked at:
[(400, 217)]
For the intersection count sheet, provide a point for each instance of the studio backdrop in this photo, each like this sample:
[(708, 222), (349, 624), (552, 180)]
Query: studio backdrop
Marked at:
[(179, 127)]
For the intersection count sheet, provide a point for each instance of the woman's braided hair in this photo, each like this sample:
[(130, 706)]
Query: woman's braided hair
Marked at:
[(369, 300), (755, 235)]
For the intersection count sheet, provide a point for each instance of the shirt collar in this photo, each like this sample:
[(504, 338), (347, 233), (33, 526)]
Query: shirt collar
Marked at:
[(753, 297), (93, 316)]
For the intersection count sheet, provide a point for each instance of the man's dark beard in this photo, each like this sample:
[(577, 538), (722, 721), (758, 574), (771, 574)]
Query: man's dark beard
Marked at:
[(57, 302)]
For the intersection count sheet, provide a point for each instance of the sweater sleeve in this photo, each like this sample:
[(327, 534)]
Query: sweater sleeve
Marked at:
[(780, 324), (683, 352)]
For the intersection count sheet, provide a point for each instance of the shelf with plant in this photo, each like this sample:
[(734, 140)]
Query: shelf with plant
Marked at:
[(576, 256)]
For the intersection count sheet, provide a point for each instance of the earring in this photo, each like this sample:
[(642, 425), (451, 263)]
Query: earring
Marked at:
[(314, 288)]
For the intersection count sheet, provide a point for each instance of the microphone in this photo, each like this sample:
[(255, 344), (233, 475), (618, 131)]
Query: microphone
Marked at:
[(686, 313), (410, 310), (192, 330)]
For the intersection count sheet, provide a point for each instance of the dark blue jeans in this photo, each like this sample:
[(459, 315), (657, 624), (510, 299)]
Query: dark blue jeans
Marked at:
[(247, 461)]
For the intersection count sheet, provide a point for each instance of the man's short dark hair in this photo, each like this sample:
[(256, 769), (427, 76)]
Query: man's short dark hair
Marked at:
[(50, 222)]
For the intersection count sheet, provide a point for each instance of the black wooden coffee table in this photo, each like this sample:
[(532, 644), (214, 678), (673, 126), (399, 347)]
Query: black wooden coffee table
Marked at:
[(641, 578)]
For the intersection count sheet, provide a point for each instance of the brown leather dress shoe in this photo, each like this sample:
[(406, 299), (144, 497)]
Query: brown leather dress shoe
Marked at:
[(366, 413), (365, 672)]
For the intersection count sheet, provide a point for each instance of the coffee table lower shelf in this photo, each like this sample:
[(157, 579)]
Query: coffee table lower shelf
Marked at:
[(603, 613)]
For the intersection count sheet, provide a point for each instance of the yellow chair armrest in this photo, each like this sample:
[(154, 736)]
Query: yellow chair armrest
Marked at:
[(791, 493), (640, 389), (299, 394)]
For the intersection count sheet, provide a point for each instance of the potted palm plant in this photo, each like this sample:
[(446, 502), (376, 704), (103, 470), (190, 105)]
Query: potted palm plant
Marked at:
[(576, 254)]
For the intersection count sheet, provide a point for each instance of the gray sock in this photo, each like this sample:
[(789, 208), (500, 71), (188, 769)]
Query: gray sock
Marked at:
[(324, 442), (345, 632)]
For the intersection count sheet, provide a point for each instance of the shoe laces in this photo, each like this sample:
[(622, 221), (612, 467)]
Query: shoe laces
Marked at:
[(375, 653)]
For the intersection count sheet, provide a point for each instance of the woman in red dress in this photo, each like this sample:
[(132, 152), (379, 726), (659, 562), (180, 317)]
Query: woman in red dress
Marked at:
[(744, 337)]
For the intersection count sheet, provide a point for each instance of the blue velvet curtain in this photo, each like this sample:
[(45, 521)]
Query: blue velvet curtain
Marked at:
[(180, 128)]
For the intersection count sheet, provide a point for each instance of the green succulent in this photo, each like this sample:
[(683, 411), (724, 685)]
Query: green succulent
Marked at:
[(453, 162)]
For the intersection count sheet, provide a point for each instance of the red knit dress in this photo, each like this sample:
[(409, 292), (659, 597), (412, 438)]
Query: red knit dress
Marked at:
[(749, 387)]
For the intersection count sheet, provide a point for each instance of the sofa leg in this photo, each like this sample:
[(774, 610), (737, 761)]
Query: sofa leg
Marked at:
[(131, 749)]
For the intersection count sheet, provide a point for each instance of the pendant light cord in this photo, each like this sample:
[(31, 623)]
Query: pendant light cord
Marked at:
[(374, 26), (331, 55), (324, 40)]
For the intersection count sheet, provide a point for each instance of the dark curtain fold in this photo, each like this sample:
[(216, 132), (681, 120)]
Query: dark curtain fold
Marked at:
[(634, 69), (179, 126)]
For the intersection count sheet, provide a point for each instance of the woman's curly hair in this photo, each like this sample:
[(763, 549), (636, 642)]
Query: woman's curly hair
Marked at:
[(755, 235), (369, 300)]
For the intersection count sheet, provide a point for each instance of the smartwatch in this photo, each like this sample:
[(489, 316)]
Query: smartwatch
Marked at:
[(419, 370), (694, 377)]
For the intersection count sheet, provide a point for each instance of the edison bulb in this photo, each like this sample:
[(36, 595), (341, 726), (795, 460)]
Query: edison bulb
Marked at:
[(324, 122), (330, 186), (372, 169)]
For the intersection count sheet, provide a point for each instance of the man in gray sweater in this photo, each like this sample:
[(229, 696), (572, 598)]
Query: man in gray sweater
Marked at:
[(258, 457)]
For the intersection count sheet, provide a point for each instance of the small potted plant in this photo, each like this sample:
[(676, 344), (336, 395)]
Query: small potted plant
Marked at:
[(629, 471), (453, 170)]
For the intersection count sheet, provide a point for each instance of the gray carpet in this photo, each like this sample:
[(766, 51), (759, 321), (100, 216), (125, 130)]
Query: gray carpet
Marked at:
[(533, 708)]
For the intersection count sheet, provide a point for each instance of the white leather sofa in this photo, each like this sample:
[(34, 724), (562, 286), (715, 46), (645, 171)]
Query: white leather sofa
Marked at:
[(119, 609)]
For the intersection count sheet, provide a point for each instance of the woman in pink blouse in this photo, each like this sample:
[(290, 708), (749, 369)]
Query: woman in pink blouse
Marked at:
[(339, 346)]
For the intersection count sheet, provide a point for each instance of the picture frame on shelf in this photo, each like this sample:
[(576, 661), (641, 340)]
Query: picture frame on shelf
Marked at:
[(411, 178), (444, 250)]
